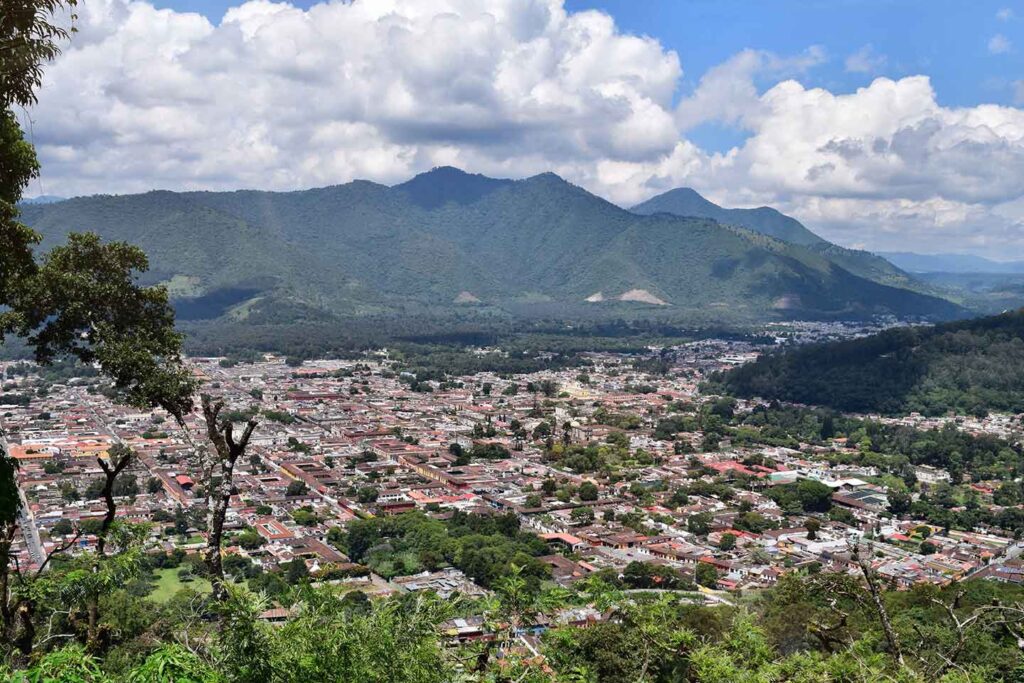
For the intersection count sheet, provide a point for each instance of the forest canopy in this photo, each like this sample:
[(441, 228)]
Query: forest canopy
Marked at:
[(972, 367)]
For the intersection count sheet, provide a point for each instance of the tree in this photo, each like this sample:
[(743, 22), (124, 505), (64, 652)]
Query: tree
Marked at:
[(727, 542), (296, 487), (68, 492), (250, 540), (63, 527), (706, 575), (839, 514), (85, 581), (217, 469), (118, 458), (296, 571), (588, 491), (367, 495), (82, 299), (29, 38), (126, 486), (699, 524), (94, 490), (581, 516), (814, 496), (12, 610), (181, 523), (813, 526), (899, 502), (305, 517), (828, 427)]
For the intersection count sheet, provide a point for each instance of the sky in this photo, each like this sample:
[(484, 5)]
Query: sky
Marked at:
[(881, 124)]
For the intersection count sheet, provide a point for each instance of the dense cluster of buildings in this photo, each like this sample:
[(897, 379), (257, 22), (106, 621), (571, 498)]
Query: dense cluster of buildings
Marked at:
[(341, 440)]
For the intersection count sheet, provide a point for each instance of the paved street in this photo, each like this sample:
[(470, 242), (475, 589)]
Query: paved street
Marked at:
[(27, 524)]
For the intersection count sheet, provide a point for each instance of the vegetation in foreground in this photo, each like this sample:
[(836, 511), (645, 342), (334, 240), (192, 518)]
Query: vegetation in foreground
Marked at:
[(811, 627)]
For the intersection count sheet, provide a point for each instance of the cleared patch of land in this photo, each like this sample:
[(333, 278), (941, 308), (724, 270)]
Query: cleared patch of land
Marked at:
[(168, 584)]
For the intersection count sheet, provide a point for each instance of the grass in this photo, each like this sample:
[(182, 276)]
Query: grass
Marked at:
[(168, 583)]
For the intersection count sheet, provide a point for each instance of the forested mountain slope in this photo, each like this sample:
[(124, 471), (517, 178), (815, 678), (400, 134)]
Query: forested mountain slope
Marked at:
[(684, 201), (449, 239), (768, 221), (969, 366)]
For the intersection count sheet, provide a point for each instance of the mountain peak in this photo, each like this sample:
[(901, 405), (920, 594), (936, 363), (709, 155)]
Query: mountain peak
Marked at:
[(447, 238), (555, 181), (550, 178), (441, 172), (691, 197), (688, 192), (43, 199), (443, 184), (685, 201)]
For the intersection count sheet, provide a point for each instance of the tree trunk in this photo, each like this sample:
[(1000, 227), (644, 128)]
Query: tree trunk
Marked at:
[(24, 634), (883, 614), (119, 458), (7, 532), (216, 513), (218, 473)]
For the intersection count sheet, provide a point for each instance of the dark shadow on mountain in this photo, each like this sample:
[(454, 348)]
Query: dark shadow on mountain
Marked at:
[(212, 305)]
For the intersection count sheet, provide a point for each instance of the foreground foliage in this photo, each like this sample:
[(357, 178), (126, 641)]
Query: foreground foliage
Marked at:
[(810, 628)]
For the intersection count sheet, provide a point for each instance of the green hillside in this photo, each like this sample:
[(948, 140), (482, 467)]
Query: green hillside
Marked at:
[(971, 366), (684, 201), (687, 202), (450, 240)]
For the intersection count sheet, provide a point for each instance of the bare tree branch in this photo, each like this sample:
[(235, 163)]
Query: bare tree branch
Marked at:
[(891, 637), (120, 457), (218, 474), (64, 547)]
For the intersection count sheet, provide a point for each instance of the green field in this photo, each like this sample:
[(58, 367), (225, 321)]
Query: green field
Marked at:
[(168, 584)]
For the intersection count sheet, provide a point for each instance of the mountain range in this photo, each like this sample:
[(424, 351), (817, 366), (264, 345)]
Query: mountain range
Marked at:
[(447, 239), (43, 199), (766, 220), (952, 263)]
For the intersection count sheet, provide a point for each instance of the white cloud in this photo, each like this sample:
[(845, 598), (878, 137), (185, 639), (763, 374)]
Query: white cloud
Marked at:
[(1004, 14), (883, 165), (278, 97), (865, 60), (999, 44), (728, 93), (275, 97), (890, 139)]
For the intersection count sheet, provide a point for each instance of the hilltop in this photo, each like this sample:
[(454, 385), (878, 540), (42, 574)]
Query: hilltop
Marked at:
[(448, 240), (969, 366), (685, 201)]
